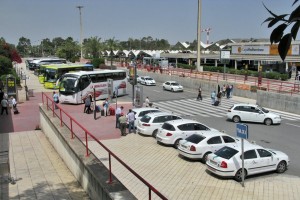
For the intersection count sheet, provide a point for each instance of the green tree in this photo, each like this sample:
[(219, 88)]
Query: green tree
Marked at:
[(57, 42), (70, 50), (278, 34), (111, 45), (92, 46), (24, 46), (6, 65)]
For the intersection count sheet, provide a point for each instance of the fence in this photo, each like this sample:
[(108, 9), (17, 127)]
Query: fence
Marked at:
[(77, 131), (271, 85)]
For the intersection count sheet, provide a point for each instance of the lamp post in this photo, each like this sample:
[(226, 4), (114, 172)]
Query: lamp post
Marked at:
[(79, 7), (199, 68)]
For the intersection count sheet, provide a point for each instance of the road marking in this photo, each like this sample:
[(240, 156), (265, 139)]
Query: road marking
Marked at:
[(292, 124)]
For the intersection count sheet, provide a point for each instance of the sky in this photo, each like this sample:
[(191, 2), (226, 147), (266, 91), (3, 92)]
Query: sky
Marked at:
[(173, 20)]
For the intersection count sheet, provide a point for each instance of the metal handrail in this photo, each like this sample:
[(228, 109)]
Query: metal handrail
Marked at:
[(51, 105)]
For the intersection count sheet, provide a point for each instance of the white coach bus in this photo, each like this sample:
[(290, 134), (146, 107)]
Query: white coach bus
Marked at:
[(75, 87)]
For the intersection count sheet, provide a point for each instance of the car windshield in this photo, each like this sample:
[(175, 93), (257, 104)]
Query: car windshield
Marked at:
[(226, 152), (175, 84), (195, 138), (145, 119), (263, 109), (168, 127)]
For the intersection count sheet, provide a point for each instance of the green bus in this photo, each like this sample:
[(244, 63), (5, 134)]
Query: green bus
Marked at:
[(50, 74)]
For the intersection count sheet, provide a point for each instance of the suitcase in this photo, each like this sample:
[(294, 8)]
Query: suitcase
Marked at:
[(102, 112), (111, 111), (216, 103)]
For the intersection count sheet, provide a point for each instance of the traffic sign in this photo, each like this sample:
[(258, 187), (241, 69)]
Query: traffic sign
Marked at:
[(242, 131)]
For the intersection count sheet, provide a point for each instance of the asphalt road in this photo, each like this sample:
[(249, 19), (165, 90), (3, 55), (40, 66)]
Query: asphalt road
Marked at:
[(284, 137)]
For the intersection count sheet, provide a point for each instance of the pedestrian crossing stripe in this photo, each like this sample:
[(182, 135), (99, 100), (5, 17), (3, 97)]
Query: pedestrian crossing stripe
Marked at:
[(194, 107)]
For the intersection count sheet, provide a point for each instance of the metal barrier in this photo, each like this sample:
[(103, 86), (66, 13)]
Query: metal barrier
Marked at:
[(51, 105)]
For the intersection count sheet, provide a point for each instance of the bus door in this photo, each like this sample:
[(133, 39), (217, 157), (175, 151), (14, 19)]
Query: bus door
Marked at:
[(84, 90)]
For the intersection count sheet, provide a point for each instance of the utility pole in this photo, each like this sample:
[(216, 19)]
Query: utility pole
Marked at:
[(199, 68), (79, 7)]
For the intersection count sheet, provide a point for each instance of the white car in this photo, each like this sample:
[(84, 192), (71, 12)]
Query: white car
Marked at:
[(150, 123), (172, 86), (252, 113), (140, 112), (227, 161), (200, 145), (146, 80), (172, 132)]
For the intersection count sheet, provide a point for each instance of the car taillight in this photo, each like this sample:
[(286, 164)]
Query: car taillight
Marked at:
[(223, 164), (169, 134), (192, 148), (146, 124)]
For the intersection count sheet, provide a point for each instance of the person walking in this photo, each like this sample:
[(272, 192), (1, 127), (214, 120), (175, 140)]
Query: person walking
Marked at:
[(227, 92), (199, 97), (87, 104), (147, 102), (4, 104), (231, 91), (122, 121), (118, 115), (213, 97), (106, 107), (55, 99), (131, 119), (219, 97)]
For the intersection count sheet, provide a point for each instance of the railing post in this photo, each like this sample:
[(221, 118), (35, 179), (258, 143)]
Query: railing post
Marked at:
[(149, 193), (61, 124), (53, 108), (110, 173), (71, 124), (43, 97), (47, 104), (86, 145)]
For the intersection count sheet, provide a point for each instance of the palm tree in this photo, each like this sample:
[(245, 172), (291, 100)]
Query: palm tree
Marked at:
[(111, 45), (92, 46)]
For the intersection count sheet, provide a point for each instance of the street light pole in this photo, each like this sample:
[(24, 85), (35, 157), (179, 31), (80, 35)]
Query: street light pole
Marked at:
[(79, 7), (199, 68)]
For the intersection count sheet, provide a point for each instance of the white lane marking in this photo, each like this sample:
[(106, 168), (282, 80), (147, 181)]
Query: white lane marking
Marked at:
[(292, 124)]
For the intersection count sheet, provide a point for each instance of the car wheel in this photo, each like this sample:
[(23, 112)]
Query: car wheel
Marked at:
[(176, 144), (281, 167), (236, 119), (172, 90), (154, 133), (239, 175), (204, 159), (268, 122)]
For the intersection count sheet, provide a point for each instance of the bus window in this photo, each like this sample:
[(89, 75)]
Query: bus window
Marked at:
[(84, 82)]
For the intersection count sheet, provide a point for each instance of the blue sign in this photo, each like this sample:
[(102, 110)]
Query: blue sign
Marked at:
[(242, 131)]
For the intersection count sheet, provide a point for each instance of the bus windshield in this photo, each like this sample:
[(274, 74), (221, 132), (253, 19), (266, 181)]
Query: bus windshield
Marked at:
[(68, 84), (50, 75)]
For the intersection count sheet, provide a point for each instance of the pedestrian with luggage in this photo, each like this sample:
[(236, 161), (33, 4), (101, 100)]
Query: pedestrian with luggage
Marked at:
[(118, 115), (87, 104), (122, 121), (219, 97), (106, 107)]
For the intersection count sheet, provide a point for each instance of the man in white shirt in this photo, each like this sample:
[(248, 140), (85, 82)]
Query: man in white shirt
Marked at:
[(147, 101), (118, 114), (131, 119)]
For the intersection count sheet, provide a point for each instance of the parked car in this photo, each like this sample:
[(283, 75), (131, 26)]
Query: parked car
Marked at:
[(227, 161), (150, 123), (140, 112), (252, 113), (200, 145), (172, 132), (147, 80), (172, 86)]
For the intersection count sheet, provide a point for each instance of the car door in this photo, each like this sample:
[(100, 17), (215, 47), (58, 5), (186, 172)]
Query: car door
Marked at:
[(266, 161), (214, 144), (186, 130), (251, 162), (167, 86), (158, 122)]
